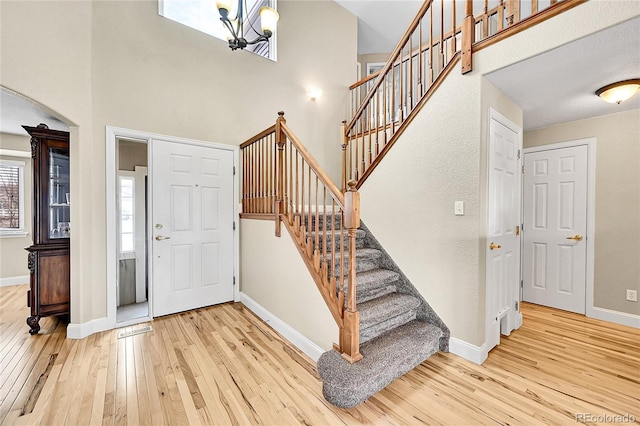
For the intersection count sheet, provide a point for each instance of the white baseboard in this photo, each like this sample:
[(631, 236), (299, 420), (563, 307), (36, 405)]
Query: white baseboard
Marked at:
[(475, 354), (617, 317), (5, 282), (82, 330), (312, 350)]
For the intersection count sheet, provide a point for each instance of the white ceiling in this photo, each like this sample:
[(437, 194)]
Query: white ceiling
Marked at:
[(559, 85), (381, 23)]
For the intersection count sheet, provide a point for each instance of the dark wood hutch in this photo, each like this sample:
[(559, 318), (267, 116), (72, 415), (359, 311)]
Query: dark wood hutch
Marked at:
[(49, 254)]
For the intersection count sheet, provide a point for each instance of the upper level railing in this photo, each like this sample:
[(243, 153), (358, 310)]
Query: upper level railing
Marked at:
[(281, 179), (440, 34)]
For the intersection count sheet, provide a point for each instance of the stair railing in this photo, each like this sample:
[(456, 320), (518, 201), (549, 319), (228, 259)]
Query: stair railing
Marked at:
[(281, 179), (382, 103), (423, 56)]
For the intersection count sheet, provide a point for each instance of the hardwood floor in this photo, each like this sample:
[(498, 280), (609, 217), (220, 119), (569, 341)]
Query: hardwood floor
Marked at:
[(222, 365)]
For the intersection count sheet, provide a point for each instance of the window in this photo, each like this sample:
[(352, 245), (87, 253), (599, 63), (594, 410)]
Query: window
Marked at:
[(202, 15), (127, 214), (12, 198)]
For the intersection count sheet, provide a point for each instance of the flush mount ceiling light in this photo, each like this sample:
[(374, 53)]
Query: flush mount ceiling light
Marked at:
[(620, 91), (231, 15)]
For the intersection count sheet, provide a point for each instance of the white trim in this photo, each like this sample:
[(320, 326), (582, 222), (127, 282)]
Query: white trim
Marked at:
[(22, 279), (473, 353), (300, 341), (590, 309), (623, 318), (111, 136), (14, 153), (82, 330)]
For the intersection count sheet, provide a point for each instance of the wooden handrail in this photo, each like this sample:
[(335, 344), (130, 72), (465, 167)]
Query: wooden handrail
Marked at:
[(321, 220), (335, 192), (381, 113), (425, 6)]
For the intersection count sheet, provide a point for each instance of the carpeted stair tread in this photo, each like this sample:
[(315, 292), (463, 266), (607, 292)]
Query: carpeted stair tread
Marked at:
[(381, 309), (360, 234), (385, 358), (363, 253), (374, 283)]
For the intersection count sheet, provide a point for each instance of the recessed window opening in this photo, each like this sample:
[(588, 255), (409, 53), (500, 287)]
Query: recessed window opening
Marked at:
[(11, 197), (202, 15)]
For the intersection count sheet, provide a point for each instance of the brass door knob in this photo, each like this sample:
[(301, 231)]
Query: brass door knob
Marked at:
[(161, 237), (494, 246), (576, 237)]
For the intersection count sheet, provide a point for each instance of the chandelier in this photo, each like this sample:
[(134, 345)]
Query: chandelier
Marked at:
[(231, 15)]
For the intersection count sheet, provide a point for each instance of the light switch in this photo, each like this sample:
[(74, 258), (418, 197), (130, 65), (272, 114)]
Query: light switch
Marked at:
[(458, 208)]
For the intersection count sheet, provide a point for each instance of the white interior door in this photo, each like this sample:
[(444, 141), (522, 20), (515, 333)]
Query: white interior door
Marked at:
[(503, 246), (192, 223), (555, 226)]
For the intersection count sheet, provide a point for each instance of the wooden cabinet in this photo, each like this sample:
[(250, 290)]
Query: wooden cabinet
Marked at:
[(49, 253)]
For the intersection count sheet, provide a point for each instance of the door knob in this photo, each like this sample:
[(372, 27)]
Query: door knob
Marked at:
[(576, 237), (162, 237), (494, 246)]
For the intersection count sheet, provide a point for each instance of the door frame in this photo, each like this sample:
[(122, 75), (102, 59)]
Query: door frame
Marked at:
[(590, 310), (515, 315), (111, 136)]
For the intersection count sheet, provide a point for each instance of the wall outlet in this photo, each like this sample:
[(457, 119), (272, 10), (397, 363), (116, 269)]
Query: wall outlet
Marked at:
[(632, 295)]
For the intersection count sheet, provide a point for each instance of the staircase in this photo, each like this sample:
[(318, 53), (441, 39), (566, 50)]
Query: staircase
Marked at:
[(386, 328), (398, 328)]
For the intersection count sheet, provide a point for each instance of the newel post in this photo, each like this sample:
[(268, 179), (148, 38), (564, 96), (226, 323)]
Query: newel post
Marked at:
[(345, 142), (350, 333), (280, 140), (468, 38)]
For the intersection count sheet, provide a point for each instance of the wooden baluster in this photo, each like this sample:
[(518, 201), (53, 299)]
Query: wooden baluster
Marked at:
[(324, 226), (291, 178), (420, 61), (410, 78), (377, 112), (341, 282), (316, 217), (350, 333), (333, 246), (485, 20), (302, 166), (534, 7), (309, 223), (385, 107), (441, 50), (280, 171), (261, 174), (430, 45), (501, 16), (369, 119), (345, 143), (252, 172), (468, 34), (453, 32)]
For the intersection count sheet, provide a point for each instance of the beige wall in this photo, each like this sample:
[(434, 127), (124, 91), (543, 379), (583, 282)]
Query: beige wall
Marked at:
[(617, 201), (273, 274), (407, 203), (131, 154), (371, 58), (13, 257), (118, 63)]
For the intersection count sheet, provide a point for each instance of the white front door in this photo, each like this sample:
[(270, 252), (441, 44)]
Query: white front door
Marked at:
[(503, 218), (192, 226), (555, 226)]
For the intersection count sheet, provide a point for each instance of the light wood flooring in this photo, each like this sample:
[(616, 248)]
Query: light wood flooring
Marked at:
[(222, 365)]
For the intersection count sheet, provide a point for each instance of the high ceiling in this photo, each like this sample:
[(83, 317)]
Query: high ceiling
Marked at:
[(551, 88), (381, 23)]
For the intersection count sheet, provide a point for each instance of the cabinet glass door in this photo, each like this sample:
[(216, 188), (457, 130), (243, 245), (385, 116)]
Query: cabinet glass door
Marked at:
[(59, 225)]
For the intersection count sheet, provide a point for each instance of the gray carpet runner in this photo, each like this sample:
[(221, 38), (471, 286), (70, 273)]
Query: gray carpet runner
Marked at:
[(398, 328)]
